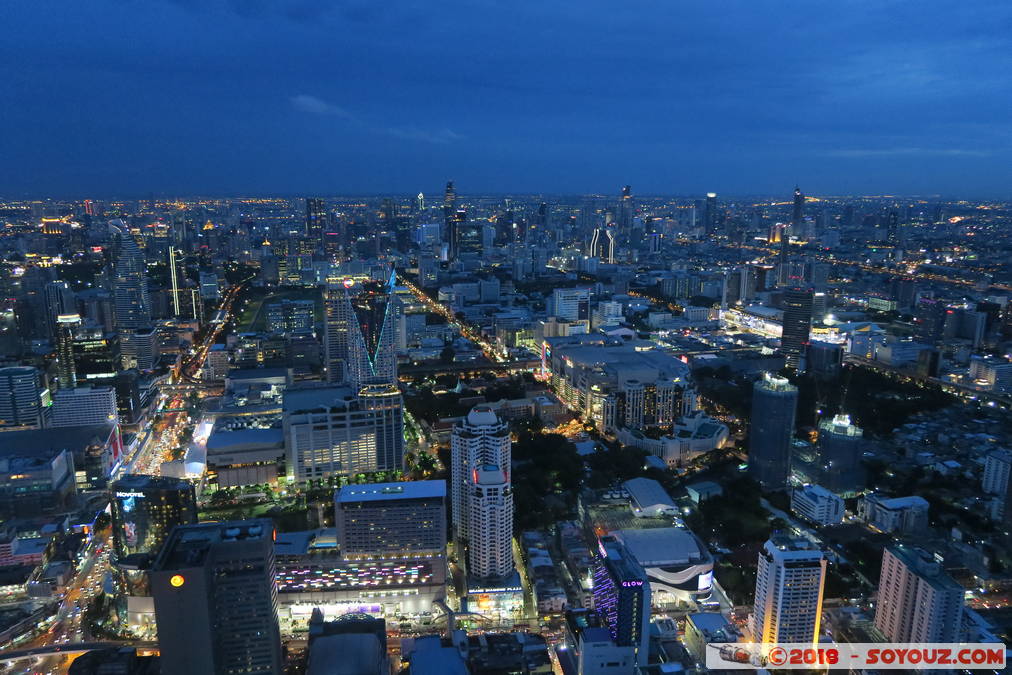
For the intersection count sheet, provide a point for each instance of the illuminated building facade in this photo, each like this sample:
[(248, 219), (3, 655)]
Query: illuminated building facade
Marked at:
[(622, 597), (788, 592)]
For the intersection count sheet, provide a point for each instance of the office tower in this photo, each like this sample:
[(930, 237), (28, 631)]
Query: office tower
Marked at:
[(622, 597), (449, 210), (480, 438), (917, 600), (463, 237), (489, 533), (625, 211), (66, 325), (391, 519), (710, 214), (174, 278), (997, 471), (20, 398), (797, 326), (84, 406), (798, 211), (335, 431), (602, 245), (788, 592), (316, 220), (571, 304), (132, 303), (209, 288), (339, 319), (216, 599), (59, 300), (841, 446), (929, 320), (145, 509), (378, 311), (774, 405)]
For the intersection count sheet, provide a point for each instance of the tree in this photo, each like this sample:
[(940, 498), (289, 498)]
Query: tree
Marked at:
[(446, 356)]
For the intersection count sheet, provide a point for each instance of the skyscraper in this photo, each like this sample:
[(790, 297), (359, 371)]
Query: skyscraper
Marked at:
[(788, 592), (480, 438), (797, 325), (216, 599), (174, 279), (490, 523), (622, 597), (710, 214), (145, 509), (798, 212), (449, 208), (774, 405), (841, 446), (84, 406), (339, 319), (917, 600), (59, 300), (66, 324), (20, 398), (132, 303), (602, 244), (316, 220), (333, 431), (625, 211)]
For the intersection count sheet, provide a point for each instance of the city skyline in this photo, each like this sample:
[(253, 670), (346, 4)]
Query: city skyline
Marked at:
[(297, 97)]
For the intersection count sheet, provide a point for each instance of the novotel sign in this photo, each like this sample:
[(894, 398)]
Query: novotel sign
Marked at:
[(129, 494)]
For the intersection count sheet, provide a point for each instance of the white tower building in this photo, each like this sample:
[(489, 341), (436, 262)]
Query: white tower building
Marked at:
[(490, 524), (788, 592)]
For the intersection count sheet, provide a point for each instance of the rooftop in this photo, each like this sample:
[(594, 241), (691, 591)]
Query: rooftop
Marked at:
[(647, 492), (312, 398), (662, 546), (375, 492)]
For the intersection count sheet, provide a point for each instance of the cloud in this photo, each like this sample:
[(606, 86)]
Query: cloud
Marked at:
[(317, 106), (870, 153), (415, 134)]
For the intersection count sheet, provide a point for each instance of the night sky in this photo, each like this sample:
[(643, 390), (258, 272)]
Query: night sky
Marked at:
[(129, 97)]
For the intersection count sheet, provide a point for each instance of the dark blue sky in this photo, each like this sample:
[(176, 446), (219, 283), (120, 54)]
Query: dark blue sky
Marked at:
[(121, 97)]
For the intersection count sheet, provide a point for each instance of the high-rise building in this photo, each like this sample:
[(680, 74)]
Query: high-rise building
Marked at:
[(571, 304), (145, 509), (602, 244), (216, 599), (335, 431), (316, 220), (339, 319), (84, 406), (841, 446), (710, 214), (622, 597), (132, 302), (798, 210), (788, 592), (449, 209), (175, 276), (797, 326), (480, 438), (20, 398), (380, 520), (774, 406), (917, 600), (361, 335), (59, 300), (489, 534), (997, 472), (66, 325)]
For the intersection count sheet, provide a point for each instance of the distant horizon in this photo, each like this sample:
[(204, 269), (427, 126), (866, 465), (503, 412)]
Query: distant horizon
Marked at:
[(783, 197)]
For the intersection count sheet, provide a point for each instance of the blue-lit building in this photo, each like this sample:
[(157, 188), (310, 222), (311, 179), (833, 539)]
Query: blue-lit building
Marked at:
[(622, 597)]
